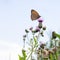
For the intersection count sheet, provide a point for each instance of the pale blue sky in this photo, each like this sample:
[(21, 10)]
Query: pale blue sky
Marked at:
[(15, 17)]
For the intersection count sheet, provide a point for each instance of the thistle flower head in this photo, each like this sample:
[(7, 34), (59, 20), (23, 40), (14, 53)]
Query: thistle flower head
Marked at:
[(40, 20), (37, 29)]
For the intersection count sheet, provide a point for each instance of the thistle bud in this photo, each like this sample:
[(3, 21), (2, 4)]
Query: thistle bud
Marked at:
[(53, 35), (26, 31), (44, 28), (40, 23)]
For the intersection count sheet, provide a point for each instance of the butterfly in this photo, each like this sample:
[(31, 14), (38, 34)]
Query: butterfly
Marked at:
[(34, 15)]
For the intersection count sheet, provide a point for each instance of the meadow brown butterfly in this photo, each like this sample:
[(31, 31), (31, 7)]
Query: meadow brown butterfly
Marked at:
[(34, 15)]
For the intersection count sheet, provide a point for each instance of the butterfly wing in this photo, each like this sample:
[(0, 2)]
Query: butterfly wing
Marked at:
[(34, 15)]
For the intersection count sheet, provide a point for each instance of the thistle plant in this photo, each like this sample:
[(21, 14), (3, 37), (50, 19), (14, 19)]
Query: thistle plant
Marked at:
[(33, 41), (38, 49), (35, 47), (53, 46)]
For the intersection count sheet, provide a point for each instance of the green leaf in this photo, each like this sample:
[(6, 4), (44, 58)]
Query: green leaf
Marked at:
[(24, 54), (51, 56), (56, 54), (58, 35), (20, 58)]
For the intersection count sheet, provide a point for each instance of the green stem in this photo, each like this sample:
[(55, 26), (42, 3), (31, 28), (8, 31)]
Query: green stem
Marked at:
[(29, 55), (51, 56)]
